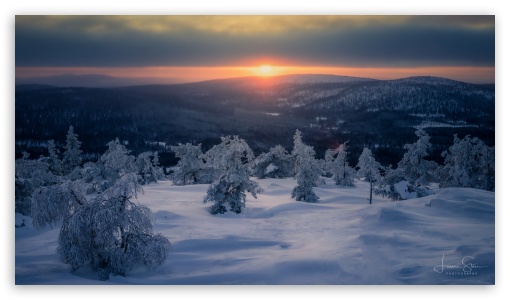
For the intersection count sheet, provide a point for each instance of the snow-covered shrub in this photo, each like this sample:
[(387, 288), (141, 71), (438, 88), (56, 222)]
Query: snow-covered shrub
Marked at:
[(112, 165), (343, 174), (55, 164), (468, 163), (307, 170), (30, 174), (369, 168), (107, 232), (228, 192), (192, 168), (413, 173), (111, 234), (52, 204), (148, 167), (327, 163), (277, 163)]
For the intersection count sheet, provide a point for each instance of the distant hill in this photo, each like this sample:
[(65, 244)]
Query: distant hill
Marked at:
[(266, 111), (90, 80), (417, 95), (257, 92), (32, 87)]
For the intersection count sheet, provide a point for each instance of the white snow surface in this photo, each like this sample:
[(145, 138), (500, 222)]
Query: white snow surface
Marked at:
[(276, 240), (402, 189), (270, 168)]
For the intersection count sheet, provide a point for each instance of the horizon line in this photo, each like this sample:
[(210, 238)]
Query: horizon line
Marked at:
[(177, 81)]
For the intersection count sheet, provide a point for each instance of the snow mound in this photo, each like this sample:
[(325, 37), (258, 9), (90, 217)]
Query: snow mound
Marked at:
[(287, 208), (339, 240), (402, 189)]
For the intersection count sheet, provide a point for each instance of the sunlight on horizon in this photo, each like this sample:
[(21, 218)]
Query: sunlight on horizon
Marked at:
[(183, 74), (265, 70)]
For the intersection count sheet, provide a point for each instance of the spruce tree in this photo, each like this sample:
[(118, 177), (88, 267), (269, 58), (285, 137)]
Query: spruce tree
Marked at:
[(368, 167), (307, 170), (228, 192), (191, 167), (468, 163), (413, 171), (343, 174), (277, 163), (72, 153)]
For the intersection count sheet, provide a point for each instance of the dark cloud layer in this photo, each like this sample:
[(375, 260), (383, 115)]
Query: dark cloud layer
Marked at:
[(386, 42)]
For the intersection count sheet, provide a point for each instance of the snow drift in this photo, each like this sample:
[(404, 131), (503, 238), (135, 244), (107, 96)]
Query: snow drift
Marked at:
[(445, 238)]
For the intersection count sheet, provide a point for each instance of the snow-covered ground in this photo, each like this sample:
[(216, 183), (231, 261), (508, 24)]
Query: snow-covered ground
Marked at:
[(446, 238)]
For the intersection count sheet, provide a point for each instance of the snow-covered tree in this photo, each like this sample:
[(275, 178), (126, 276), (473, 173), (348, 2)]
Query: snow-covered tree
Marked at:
[(307, 170), (228, 192), (55, 203), (343, 174), (368, 167), (148, 167), (413, 173), (110, 167), (55, 164), (468, 163), (327, 163), (30, 174), (277, 163), (191, 168), (72, 153), (109, 233), (414, 167)]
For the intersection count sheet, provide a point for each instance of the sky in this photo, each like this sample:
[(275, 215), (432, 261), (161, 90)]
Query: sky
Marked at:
[(183, 48)]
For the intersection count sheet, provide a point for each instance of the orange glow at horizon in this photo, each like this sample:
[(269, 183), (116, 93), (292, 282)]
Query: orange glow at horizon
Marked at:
[(193, 74), (265, 70)]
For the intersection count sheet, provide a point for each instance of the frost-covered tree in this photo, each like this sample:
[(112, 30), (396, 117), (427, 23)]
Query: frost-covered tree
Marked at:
[(414, 167), (110, 233), (191, 168), (468, 163), (487, 167), (72, 153), (413, 173), (228, 192), (55, 203), (55, 164), (327, 163), (30, 174), (343, 174), (277, 163), (148, 167), (307, 170), (110, 167), (369, 168)]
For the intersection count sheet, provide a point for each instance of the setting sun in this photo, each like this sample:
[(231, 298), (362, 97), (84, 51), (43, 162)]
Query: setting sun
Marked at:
[(265, 69)]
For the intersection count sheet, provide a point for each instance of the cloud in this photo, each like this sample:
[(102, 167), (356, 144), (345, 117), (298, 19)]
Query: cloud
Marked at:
[(242, 24), (133, 41)]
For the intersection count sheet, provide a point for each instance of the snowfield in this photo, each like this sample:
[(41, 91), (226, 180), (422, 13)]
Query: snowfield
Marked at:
[(445, 238)]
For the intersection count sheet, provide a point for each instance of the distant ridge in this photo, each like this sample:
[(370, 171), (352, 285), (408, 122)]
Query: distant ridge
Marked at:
[(104, 81), (318, 78), (91, 81), (288, 79), (33, 87)]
